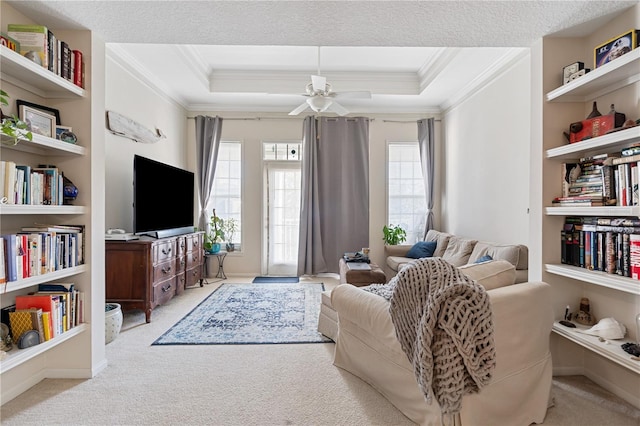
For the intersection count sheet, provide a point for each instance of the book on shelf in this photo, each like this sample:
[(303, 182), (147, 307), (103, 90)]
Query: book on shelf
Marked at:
[(634, 256), (20, 321), (578, 201), (3, 261), (34, 42), (46, 302)]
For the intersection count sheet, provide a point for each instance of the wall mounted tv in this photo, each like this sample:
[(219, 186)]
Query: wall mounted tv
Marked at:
[(163, 198)]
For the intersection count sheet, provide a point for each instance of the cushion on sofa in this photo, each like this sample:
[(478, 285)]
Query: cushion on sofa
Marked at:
[(458, 250), (491, 274), (422, 249), (515, 254), (441, 239)]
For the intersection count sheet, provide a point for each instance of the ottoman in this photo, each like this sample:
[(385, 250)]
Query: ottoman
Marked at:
[(361, 278), (328, 318)]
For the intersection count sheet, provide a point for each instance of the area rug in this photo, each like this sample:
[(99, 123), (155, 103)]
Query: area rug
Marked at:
[(275, 280), (252, 314)]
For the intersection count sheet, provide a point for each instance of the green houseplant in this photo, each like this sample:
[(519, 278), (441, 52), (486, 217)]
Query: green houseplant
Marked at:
[(215, 234), (229, 227), (393, 235), (12, 126)]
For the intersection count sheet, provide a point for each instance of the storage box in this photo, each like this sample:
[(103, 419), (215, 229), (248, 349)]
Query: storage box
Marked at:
[(616, 47)]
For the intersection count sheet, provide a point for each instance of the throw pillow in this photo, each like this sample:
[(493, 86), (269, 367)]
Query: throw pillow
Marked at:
[(422, 249), (484, 258), (493, 274)]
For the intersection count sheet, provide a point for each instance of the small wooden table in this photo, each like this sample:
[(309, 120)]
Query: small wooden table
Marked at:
[(361, 277)]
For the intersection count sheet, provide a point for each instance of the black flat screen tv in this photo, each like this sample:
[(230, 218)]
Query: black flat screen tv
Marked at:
[(163, 199)]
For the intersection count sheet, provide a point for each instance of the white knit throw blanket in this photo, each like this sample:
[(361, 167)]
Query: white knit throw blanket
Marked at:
[(444, 323)]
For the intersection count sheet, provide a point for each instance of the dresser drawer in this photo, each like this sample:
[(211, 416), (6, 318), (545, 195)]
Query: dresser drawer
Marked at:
[(181, 244), (194, 242), (194, 259), (193, 276), (163, 291), (181, 264), (164, 250), (164, 270)]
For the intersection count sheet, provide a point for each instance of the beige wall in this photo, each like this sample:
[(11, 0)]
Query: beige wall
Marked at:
[(486, 180), (134, 99)]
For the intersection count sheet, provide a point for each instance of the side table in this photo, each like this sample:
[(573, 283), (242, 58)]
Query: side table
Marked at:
[(220, 276)]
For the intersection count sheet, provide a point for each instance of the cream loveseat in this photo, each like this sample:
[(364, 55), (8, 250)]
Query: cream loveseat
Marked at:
[(518, 394)]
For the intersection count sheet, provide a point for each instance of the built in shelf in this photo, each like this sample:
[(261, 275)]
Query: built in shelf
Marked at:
[(43, 145), (611, 143), (610, 349), (10, 286), (40, 209), (614, 75), (593, 211), (16, 356), (603, 279), (20, 71)]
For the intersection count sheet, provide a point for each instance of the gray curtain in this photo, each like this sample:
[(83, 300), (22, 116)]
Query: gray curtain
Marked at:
[(334, 215), (208, 131), (426, 141)]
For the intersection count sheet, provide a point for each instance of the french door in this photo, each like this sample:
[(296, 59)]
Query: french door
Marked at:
[(282, 217)]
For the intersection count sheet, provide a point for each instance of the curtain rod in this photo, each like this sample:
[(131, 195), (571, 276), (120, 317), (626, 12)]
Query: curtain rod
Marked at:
[(299, 118)]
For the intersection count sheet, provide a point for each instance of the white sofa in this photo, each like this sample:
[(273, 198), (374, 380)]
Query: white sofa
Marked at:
[(461, 251), (366, 345)]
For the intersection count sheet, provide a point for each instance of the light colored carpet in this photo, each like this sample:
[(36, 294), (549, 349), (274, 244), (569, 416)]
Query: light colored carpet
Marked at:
[(245, 385)]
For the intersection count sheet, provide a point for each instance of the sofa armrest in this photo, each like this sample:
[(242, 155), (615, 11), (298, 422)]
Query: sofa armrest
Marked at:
[(397, 250), (523, 319)]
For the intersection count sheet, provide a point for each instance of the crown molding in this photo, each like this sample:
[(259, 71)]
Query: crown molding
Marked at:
[(490, 74), (133, 67)]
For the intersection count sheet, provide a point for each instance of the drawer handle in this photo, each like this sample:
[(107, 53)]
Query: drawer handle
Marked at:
[(166, 251), (195, 243), (182, 244), (166, 270), (194, 273), (182, 262), (167, 288), (182, 279)]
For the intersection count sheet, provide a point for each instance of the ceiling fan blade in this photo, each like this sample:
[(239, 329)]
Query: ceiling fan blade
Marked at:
[(299, 109), (338, 109), (363, 94), (319, 83)]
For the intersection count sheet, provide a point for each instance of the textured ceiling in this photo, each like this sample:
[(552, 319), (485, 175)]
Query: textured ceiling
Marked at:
[(256, 55)]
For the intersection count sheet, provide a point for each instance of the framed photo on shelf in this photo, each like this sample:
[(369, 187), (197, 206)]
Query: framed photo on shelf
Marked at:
[(61, 129), (45, 109), (38, 121)]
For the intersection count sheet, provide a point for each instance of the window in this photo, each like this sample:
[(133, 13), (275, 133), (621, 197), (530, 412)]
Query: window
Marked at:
[(281, 151), (406, 201), (227, 186)]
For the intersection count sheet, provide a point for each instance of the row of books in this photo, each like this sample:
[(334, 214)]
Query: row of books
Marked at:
[(40, 250), (22, 184), (54, 309), (610, 245), (601, 180), (40, 45)]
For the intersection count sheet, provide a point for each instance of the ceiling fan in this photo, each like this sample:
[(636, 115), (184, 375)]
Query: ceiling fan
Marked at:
[(321, 98)]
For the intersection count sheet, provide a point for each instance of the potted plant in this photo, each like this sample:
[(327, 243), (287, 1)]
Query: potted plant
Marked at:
[(230, 227), (12, 126), (393, 235), (215, 236)]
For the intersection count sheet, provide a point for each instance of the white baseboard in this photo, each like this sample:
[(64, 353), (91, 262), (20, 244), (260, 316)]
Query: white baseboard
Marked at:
[(21, 387), (611, 387)]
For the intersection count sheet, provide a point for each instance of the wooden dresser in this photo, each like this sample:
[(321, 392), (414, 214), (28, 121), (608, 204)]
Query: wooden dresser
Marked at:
[(145, 273)]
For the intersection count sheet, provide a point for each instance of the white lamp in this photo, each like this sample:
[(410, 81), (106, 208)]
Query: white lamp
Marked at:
[(319, 103)]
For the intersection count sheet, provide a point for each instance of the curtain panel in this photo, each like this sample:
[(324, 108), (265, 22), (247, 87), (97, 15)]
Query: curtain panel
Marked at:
[(426, 142), (334, 214), (208, 131)]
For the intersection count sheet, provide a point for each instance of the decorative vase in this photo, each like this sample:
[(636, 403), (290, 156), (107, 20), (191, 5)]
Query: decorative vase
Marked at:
[(215, 248), (112, 321), (231, 247)]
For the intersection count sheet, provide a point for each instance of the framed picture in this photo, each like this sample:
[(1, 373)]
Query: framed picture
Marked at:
[(38, 121), (46, 109), (62, 129)]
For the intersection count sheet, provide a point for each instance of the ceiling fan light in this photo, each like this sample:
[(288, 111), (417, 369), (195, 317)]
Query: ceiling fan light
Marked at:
[(319, 103)]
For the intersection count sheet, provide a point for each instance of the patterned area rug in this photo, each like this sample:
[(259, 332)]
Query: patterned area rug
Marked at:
[(252, 314)]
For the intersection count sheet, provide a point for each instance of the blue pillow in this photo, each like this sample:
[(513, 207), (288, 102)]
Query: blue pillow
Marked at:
[(422, 249), (484, 258)]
